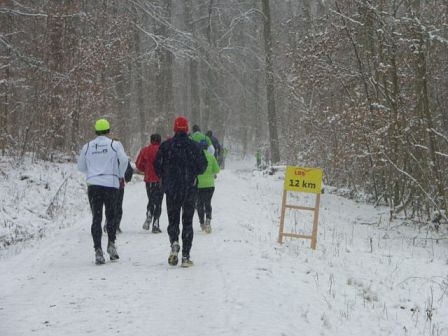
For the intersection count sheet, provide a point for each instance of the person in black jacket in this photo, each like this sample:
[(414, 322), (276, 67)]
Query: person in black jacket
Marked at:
[(119, 198), (178, 163), (218, 149), (126, 179)]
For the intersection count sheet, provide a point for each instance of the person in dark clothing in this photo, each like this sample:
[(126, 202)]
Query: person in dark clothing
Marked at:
[(178, 163), (217, 146), (145, 163), (197, 135), (119, 199)]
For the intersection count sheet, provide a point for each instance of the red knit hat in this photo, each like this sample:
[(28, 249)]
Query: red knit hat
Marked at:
[(180, 125)]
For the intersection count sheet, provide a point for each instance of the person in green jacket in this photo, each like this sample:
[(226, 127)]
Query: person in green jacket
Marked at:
[(206, 188), (198, 136)]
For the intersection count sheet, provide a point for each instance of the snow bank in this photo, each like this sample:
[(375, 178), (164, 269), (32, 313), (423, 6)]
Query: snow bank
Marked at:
[(37, 198)]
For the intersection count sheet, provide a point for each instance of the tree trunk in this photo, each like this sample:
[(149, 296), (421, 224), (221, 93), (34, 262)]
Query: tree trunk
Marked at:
[(164, 77), (270, 85), (5, 54), (56, 29), (193, 68), (138, 73)]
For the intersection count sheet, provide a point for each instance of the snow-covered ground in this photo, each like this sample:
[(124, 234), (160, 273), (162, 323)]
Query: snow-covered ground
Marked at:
[(37, 198), (367, 277)]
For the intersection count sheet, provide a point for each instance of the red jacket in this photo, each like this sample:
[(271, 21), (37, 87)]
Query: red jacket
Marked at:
[(145, 162)]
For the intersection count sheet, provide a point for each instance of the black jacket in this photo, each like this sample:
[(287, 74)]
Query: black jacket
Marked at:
[(178, 163), (216, 144)]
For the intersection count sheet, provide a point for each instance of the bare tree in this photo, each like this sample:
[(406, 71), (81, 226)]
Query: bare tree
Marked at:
[(270, 88)]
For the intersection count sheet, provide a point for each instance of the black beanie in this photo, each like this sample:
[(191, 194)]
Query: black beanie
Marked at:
[(156, 138)]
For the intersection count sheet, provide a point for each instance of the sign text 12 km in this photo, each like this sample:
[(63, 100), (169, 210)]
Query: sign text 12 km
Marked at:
[(303, 179)]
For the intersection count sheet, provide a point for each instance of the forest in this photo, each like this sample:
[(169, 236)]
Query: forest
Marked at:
[(355, 87)]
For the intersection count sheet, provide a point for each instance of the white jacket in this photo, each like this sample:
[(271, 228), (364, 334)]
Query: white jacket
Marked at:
[(104, 161)]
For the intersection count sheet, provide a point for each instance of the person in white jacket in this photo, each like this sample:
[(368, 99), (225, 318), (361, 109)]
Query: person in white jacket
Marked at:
[(104, 162)]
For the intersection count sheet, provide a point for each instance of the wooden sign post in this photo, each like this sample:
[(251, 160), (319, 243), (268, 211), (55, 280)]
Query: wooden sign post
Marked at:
[(307, 180)]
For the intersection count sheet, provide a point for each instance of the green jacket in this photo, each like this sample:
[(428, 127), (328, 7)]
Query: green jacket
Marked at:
[(207, 180), (198, 136)]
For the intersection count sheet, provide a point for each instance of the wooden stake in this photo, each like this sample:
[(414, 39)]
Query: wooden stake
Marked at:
[(282, 217), (315, 222)]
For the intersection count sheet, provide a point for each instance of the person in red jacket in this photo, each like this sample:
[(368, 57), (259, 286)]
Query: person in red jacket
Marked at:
[(144, 163)]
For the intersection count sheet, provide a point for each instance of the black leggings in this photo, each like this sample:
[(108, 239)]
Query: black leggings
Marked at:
[(100, 196), (174, 203), (204, 203), (119, 207), (155, 197)]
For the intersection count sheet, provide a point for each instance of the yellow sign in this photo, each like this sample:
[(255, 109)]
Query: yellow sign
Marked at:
[(303, 179)]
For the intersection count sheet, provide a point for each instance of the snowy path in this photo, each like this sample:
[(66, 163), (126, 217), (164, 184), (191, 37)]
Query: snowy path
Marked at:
[(361, 280)]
